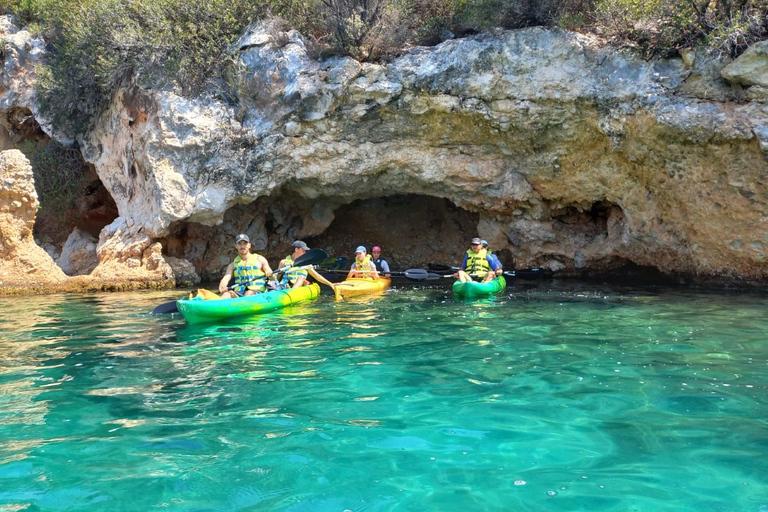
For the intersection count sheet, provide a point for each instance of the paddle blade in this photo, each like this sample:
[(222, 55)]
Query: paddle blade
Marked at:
[(417, 274), (312, 257), (168, 307), (436, 267), (334, 263)]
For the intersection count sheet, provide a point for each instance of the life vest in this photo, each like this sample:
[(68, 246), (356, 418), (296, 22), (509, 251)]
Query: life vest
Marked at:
[(477, 263), (365, 264), (377, 262), (248, 274), (291, 275)]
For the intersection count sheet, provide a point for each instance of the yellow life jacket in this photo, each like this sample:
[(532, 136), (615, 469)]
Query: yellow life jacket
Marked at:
[(291, 275), (365, 264), (248, 274), (477, 263)]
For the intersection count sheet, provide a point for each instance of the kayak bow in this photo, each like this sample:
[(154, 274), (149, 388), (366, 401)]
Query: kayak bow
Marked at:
[(473, 289)]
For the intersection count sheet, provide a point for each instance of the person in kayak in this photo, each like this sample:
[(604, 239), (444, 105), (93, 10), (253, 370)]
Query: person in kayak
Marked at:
[(477, 265), (249, 270), (381, 264), (493, 255), (363, 266), (294, 277)]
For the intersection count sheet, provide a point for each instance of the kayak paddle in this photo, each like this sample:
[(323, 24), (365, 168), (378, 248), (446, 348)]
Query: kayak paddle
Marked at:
[(334, 263), (419, 274), (523, 272)]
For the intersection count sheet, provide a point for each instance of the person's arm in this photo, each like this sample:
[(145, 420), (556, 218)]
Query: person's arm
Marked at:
[(374, 274), (227, 276), (320, 279), (385, 268), (500, 267), (281, 264), (299, 281), (495, 266), (265, 266), (352, 272)]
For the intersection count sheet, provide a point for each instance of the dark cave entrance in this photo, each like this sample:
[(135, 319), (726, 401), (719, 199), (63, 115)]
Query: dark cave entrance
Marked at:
[(412, 230), (70, 193)]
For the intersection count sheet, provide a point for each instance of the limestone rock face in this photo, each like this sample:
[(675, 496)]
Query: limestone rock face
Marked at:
[(130, 255), (78, 256), (22, 52), (571, 155), (23, 264), (575, 156), (751, 68)]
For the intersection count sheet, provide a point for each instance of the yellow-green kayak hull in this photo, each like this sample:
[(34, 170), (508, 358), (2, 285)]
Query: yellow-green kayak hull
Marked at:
[(472, 289), (198, 310)]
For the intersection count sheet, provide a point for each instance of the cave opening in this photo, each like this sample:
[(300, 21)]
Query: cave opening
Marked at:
[(412, 230), (70, 194)]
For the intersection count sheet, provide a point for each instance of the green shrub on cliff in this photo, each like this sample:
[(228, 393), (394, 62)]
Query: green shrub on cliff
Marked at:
[(666, 26), (98, 45), (61, 177)]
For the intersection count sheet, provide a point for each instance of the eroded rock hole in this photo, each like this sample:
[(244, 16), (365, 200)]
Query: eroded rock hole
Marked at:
[(72, 199), (412, 230)]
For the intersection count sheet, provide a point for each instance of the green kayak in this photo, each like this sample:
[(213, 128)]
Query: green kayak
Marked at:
[(472, 289), (198, 310)]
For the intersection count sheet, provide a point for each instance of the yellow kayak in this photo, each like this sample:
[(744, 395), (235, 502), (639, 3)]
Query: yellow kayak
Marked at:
[(360, 286)]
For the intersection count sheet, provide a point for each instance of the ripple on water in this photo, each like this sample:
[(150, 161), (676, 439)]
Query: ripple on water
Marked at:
[(547, 397)]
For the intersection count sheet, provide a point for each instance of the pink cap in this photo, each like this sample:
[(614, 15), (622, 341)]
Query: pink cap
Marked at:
[(376, 248)]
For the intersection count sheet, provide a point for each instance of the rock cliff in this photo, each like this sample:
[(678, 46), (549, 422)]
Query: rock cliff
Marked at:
[(563, 153), (23, 264)]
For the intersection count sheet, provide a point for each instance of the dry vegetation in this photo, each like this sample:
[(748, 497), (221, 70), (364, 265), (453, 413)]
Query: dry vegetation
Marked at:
[(99, 45)]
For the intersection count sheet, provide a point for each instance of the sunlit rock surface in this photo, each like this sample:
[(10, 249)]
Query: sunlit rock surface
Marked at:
[(23, 264), (569, 155), (78, 256)]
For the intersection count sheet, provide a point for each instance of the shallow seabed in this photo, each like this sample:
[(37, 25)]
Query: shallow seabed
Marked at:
[(551, 397)]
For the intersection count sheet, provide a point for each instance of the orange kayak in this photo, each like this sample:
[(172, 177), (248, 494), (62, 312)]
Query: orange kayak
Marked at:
[(360, 286)]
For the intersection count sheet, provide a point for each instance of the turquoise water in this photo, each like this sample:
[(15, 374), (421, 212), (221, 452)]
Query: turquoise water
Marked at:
[(553, 397)]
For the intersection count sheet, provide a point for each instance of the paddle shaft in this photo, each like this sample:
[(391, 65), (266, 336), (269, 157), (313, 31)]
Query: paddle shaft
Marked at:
[(345, 272), (525, 272), (419, 274)]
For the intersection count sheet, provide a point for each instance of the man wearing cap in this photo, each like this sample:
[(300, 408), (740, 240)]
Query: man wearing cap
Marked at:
[(500, 269), (363, 266), (293, 277), (249, 270), (477, 265), (381, 264)]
